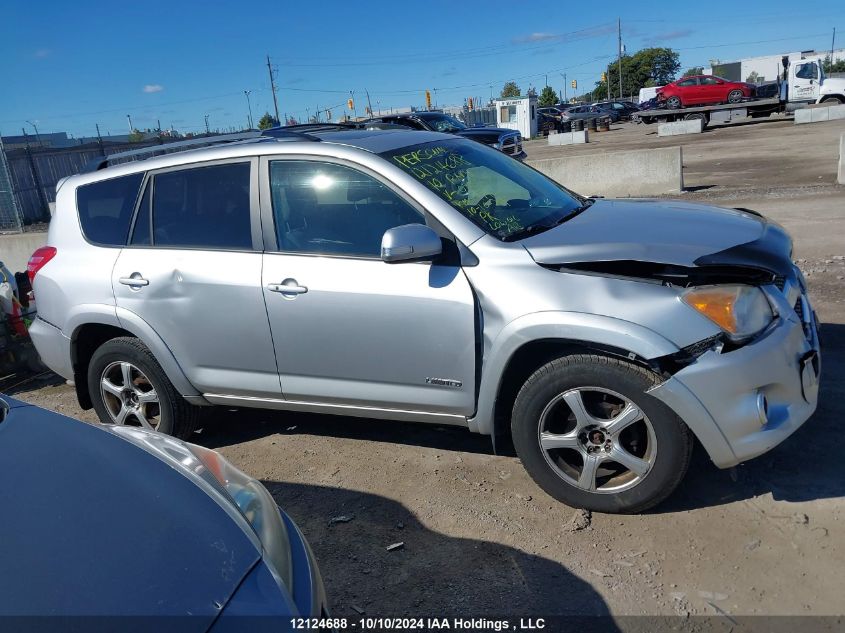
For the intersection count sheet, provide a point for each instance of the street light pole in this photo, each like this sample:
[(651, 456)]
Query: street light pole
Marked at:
[(37, 136), (131, 129), (249, 105), (207, 131)]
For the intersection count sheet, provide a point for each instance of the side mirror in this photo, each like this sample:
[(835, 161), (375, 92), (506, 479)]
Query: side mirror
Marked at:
[(410, 242)]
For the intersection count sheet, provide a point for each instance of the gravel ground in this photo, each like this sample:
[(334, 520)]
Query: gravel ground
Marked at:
[(478, 536)]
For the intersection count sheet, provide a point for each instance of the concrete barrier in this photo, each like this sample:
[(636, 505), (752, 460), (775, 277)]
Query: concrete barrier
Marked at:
[(676, 128), (569, 138), (15, 249), (820, 113), (647, 172), (841, 177)]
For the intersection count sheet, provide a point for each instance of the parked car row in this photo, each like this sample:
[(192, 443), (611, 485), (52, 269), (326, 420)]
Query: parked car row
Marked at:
[(505, 140), (551, 117)]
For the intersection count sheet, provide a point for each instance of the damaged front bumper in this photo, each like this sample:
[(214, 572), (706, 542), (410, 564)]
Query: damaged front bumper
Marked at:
[(745, 402)]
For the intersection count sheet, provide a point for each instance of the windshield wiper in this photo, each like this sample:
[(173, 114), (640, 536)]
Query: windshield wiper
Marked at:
[(540, 228)]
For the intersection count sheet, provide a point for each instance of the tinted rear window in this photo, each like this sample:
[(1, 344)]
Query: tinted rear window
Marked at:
[(105, 209)]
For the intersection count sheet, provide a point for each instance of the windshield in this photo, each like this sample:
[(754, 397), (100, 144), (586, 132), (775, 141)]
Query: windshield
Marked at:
[(443, 123), (502, 196)]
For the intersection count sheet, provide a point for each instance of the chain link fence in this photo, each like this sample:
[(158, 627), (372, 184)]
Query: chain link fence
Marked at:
[(10, 217)]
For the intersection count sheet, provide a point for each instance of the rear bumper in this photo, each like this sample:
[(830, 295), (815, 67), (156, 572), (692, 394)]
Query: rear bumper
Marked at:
[(743, 403), (53, 347)]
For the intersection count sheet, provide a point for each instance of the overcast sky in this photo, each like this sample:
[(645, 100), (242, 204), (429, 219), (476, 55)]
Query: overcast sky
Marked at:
[(68, 65)]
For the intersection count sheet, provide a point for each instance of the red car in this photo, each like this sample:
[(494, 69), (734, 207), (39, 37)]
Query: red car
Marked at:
[(703, 90)]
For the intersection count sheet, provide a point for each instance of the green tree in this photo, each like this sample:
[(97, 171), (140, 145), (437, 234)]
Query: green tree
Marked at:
[(833, 67), (266, 122), (695, 70), (136, 136), (510, 90), (548, 97), (647, 67)]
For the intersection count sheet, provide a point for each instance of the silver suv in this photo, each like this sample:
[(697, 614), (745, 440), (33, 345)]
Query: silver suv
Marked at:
[(422, 277)]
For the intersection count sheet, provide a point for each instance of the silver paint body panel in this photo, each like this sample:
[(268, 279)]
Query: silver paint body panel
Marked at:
[(362, 336)]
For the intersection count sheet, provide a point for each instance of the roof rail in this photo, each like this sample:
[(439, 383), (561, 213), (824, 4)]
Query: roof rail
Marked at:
[(102, 162), (302, 129)]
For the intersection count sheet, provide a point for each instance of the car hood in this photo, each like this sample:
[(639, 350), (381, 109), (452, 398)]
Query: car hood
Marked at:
[(96, 526), (486, 132), (833, 85), (665, 232)]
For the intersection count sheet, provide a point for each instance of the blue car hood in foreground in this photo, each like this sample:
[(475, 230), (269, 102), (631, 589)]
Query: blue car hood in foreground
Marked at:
[(665, 232), (93, 525)]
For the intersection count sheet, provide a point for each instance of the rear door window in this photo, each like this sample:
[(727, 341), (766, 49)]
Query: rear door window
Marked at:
[(105, 209), (203, 207)]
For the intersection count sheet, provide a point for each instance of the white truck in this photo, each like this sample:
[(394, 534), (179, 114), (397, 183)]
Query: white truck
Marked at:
[(803, 83)]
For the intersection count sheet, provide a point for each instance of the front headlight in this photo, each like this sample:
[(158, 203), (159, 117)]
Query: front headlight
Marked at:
[(228, 485), (740, 311)]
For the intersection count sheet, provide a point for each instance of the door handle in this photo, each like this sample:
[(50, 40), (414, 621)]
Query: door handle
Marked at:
[(288, 287), (134, 281)]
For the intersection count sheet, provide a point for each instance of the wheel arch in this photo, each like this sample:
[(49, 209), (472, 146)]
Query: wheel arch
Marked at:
[(96, 329), (529, 342)]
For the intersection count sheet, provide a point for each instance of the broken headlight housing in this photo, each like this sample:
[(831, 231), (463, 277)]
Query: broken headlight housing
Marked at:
[(741, 311)]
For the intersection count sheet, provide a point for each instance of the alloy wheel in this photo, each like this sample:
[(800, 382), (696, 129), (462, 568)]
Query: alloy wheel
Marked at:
[(597, 440), (129, 396)]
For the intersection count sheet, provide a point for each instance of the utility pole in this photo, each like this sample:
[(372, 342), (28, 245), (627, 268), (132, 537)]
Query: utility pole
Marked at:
[(564, 87), (249, 106), (131, 129), (620, 56), (369, 103), (273, 87), (207, 131), (832, 45)]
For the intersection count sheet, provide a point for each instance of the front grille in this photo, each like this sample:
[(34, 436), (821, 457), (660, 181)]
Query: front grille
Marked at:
[(511, 144), (697, 349), (805, 316)]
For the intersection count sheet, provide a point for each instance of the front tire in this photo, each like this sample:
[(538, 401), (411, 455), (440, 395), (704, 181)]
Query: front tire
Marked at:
[(674, 103), (735, 96), (127, 386), (833, 100), (589, 434)]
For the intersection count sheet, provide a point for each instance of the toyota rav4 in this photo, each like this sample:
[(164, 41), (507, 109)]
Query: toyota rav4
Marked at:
[(422, 277)]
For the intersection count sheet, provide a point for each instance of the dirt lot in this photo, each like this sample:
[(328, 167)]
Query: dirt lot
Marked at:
[(480, 537)]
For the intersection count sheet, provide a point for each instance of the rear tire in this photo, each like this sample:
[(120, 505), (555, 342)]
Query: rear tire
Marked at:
[(674, 103), (735, 96), (557, 438), (128, 386)]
